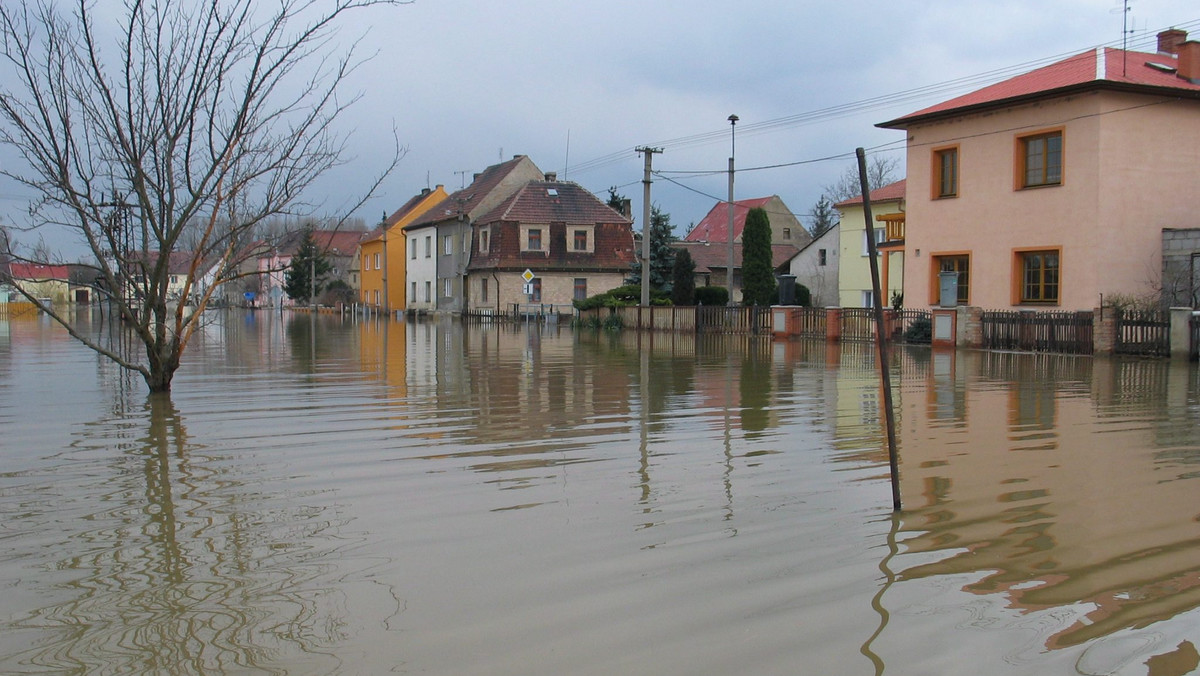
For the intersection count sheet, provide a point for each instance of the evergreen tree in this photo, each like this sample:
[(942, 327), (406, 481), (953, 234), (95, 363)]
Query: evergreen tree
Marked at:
[(298, 283), (822, 217), (616, 200), (758, 276), (683, 279), (662, 256)]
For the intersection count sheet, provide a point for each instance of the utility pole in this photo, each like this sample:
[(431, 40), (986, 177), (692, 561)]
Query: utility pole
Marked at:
[(733, 120), (885, 377), (648, 153)]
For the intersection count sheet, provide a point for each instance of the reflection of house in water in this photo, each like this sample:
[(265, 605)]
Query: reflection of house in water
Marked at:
[(1046, 486)]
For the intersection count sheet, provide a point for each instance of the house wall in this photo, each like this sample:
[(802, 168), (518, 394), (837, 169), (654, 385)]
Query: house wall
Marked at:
[(821, 280), (782, 219), (1125, 172), (854, 267), (422, 269), (558, 288)]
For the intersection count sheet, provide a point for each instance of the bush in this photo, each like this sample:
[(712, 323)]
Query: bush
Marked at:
[(622, 296), (919, 331), (712, 295), (803, 296)]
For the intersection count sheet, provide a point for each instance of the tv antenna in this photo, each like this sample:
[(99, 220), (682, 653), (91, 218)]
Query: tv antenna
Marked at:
[(463, 175), (1124, 9)]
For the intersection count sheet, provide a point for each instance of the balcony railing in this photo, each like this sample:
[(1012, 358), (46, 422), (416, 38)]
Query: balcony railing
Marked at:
[(893, 227)]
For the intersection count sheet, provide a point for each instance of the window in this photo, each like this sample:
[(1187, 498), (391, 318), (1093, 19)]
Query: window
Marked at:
[(484, 240), (412, 248), (868, 298), (428, 289), (429, 246), (787, 233), (945, 173), (534, 241), (580, 288), (466, 242), (879, 235), (413, 292), (447, 287), (582, 238), (1040, 159), (822, 257), (536, 296), (377, 266), (447, 245), (377, 296), (960, 263), (483, 289), (1039, 276)]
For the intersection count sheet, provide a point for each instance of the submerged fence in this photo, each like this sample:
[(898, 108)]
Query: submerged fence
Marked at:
[(1143, 332), (1064, 332)]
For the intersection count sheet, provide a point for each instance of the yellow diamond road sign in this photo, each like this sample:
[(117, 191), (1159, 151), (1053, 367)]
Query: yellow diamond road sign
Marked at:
[(527, 275)]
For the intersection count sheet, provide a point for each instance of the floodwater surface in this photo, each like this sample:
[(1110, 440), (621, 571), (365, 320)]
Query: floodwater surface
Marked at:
[(323, 496)]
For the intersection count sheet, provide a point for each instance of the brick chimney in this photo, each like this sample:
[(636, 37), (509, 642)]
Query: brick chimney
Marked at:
[(1170, 39), (551, 177), (1189, 61)]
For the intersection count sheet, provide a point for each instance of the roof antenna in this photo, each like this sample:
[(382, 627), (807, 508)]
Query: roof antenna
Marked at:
[(1125, 31)]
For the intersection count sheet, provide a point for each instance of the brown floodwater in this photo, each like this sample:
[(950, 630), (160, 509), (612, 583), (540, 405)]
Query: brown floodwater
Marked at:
[(324, 496)]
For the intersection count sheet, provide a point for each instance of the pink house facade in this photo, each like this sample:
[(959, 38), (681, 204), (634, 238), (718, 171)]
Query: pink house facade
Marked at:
[(1051, 190)]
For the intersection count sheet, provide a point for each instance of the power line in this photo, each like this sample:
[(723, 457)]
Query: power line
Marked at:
[(872, 103)]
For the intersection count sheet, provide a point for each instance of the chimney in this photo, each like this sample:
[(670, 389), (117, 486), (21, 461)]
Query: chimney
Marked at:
[(551, 177), (627, 208), (425, 191), (1189, 61), (1170, 39)]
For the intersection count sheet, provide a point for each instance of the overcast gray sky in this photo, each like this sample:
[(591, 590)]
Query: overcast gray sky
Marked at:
[(577, 85)]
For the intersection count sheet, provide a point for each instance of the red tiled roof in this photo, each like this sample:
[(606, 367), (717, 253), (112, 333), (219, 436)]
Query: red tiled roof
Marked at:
[(557, 205), (466, 200), (553, 202), (888, 193), (412, 203), (33, 271), (714, 227), (330, 242), (715, 255), (1103, 67)]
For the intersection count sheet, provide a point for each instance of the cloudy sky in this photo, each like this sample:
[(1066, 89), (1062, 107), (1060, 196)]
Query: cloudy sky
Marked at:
[(576, 85)]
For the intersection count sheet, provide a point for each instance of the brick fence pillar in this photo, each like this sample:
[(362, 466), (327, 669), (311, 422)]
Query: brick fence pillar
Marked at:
[(1104, 330), (1181, 333), (970, 327), (833, 324)]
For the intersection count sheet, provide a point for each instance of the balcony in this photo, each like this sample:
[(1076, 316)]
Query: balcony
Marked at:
[(893, 226)]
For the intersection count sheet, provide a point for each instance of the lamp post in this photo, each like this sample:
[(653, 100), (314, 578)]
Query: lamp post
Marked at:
[(733, 119)]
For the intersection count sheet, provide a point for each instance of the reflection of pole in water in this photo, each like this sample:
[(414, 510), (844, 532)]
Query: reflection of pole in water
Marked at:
[(877, 601)]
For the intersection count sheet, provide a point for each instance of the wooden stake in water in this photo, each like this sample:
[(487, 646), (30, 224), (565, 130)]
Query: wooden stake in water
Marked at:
[(885, 377)]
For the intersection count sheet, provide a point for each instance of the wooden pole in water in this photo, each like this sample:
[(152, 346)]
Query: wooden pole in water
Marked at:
[(885, 377)]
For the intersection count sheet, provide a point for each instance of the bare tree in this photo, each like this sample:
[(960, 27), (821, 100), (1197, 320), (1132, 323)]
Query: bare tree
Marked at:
[(196, 119), (881, 170)]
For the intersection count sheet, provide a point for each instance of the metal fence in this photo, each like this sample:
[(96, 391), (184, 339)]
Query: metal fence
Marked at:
[(811, 321), (721, 319), (1194, 336), (1143, 332), (858, 324), (1065, 332), (911, 326)]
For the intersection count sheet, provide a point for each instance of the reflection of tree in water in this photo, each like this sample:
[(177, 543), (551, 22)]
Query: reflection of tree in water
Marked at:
[(755, 387), (185, 570)]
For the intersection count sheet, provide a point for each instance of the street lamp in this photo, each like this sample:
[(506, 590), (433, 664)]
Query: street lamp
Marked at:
[(733, 119)]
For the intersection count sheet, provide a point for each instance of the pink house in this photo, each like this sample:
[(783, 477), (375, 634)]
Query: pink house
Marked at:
[(1052, 189)]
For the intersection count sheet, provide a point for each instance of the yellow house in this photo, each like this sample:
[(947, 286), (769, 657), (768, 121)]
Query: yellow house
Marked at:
[(854, 267), (382, 253)]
